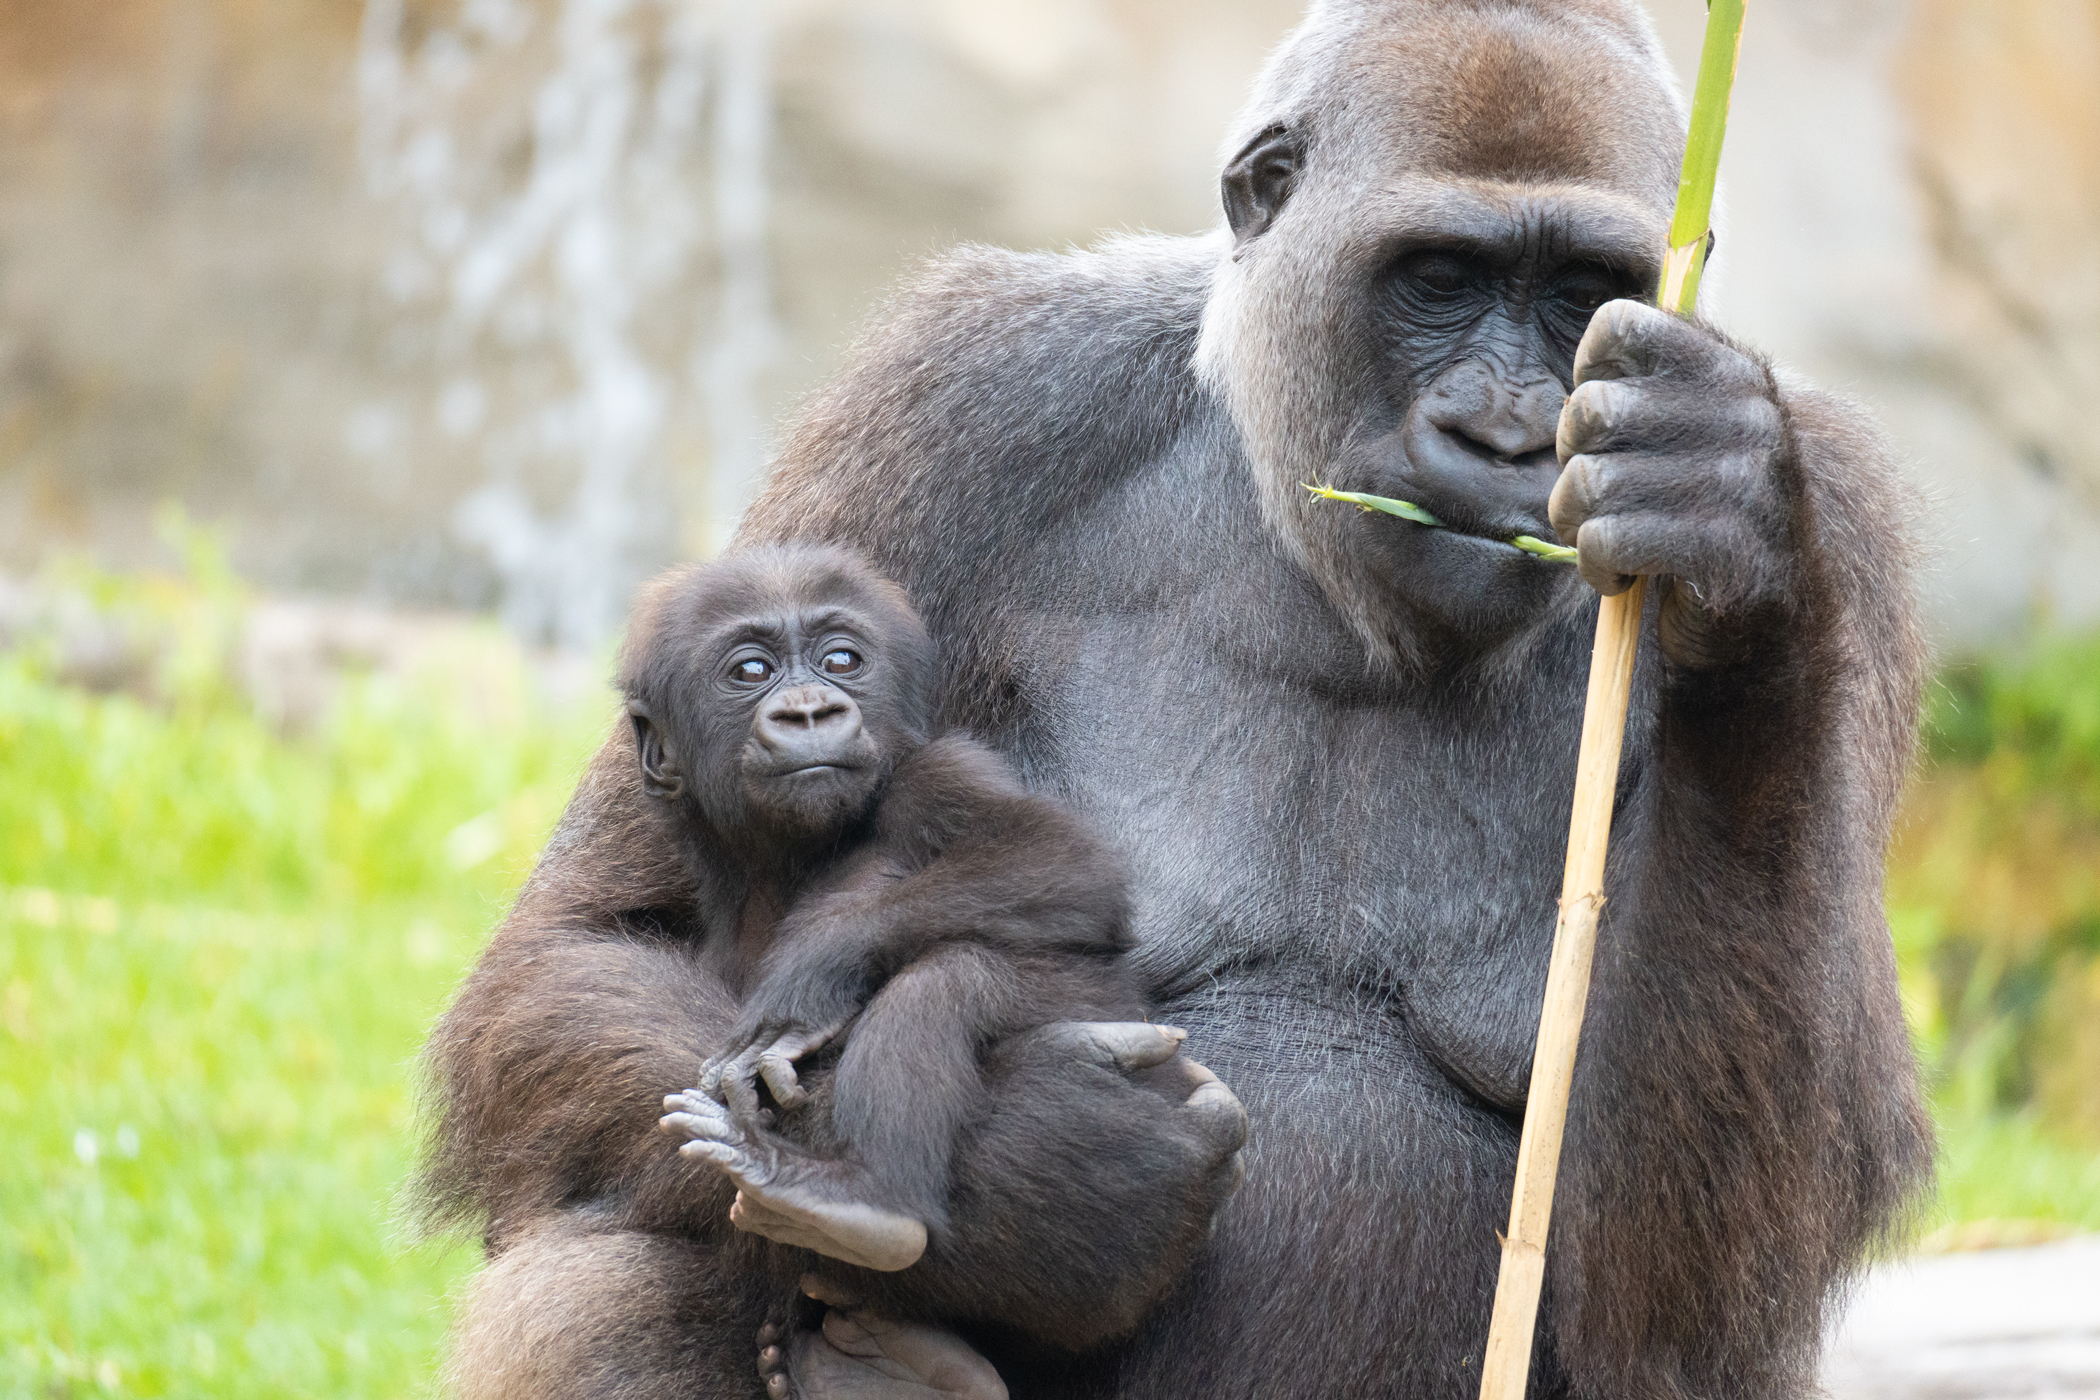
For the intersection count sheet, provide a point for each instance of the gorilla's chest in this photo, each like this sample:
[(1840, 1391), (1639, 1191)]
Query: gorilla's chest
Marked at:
[(1377, 875)]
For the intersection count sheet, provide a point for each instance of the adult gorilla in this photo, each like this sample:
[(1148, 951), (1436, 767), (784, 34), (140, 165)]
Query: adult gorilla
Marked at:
[(1339, 749)]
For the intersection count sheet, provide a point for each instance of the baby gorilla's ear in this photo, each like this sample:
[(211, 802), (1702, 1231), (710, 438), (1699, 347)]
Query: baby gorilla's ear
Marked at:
[(661, 776)]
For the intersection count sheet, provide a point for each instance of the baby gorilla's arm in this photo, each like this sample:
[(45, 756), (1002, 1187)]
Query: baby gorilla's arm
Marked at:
[(961, 854)]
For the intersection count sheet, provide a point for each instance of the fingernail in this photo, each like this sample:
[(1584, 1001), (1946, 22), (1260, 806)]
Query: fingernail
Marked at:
[(1173, 1033)]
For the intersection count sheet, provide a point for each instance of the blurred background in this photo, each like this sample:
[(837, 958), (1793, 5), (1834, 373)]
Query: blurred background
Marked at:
[(358, 356)]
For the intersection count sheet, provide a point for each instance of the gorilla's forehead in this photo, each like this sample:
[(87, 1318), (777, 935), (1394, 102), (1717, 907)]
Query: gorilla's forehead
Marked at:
[(1569, 93), (1509, 220)]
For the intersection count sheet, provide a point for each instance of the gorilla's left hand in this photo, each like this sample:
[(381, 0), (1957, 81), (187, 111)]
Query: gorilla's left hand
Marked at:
[(1677, 461)]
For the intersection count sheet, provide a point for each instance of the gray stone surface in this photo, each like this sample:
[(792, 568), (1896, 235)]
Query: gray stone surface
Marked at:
[(2001, 1324)]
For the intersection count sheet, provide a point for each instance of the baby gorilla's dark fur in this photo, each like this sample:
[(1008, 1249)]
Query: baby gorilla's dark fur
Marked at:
[(905, 902)]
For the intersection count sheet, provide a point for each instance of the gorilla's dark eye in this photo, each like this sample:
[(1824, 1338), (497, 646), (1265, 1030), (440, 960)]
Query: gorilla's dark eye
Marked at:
[(840, 662), (752, 670), (1586, 289), (1439, 275)]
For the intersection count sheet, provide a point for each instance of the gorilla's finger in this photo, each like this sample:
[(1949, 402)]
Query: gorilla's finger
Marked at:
[(704, 1118), (1591, 418), (1124, 1046), (1618, 547), (1621, 341), (738, 1091), (681, 1125), (1219, 1115), (708, 1150), (1574, 496), (711, 1075), (1599, 547), (825, 1290), (1237, 1166), (777, 1386), (777, 1064), (777, 1068)]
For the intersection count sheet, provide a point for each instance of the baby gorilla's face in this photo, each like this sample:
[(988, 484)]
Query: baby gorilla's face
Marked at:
[(772, 691), (809, 764)]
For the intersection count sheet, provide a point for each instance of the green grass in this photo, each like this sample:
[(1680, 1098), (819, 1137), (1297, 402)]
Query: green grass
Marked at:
[(2012, 1167), (220, 948), (219, 951)]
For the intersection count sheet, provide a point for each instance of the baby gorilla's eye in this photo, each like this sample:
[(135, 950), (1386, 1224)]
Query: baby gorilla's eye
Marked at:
[(752, 670), (840, 662)]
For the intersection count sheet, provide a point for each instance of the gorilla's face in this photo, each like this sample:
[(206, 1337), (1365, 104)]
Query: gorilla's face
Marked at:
[(808, 762), (1418, 244), (1471, 317), (777, 703)]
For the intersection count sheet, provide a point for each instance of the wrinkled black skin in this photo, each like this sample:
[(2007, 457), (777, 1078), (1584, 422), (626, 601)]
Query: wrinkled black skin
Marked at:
[(1345, 866)]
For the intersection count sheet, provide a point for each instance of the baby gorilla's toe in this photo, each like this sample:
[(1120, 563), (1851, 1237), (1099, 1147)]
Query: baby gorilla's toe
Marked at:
[(773, 1362)]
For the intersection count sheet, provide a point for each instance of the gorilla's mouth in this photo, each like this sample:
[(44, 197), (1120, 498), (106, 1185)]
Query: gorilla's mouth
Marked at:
[(1454, 514)]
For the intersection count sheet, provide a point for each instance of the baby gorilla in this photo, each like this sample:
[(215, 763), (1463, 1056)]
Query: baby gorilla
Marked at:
[(883, 880)]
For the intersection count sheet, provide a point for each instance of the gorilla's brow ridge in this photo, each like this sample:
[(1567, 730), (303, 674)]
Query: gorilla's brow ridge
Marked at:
[(1508, 222), (787, 624)]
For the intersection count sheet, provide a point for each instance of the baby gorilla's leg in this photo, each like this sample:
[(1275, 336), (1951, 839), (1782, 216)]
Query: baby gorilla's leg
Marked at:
[(788, 1195), (911, 1076)]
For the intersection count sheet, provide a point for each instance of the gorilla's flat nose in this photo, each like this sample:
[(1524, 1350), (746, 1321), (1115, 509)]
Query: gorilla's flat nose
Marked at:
[(1508, 423), (808, 707), (810, 725)]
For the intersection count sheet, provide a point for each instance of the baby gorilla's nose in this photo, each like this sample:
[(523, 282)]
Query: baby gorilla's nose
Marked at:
[(811, 724), (808, 707)]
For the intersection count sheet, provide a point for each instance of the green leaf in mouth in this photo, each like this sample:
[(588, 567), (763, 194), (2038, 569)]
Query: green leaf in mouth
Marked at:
[(1408, 510)]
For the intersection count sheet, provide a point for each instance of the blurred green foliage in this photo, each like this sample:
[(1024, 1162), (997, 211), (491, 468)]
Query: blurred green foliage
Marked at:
[(222, 943), (1994, 898)]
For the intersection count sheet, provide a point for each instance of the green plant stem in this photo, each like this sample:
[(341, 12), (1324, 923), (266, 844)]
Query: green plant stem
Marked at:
[(1408, 510)]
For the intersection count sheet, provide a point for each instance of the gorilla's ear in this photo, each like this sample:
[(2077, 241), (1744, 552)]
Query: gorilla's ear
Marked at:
[(1260, 179), (661, 775)]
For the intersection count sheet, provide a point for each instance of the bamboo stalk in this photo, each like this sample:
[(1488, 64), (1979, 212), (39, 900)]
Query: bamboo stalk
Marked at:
[(1506, 1364)]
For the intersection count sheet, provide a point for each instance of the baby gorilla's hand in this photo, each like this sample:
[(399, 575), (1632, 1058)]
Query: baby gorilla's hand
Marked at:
[(766, 1047)]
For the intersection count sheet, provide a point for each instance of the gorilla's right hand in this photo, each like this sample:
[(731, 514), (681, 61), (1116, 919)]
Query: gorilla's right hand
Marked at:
[(1149, 1054)]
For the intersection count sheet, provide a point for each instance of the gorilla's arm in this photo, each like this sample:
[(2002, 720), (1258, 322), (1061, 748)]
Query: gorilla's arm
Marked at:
[(961, 854), (1736, 1137), (587, 1007), (1079, 1198)]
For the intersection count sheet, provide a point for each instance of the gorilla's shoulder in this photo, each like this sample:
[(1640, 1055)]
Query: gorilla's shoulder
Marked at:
[(1134, 288), (996, 381)]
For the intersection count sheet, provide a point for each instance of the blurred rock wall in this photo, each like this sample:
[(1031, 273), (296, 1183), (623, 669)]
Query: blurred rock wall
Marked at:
[(495, 302), (1911, 214)]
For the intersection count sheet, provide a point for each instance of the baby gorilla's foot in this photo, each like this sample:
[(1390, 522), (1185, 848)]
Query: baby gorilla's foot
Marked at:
[(859, 1355), (789, 1196)]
